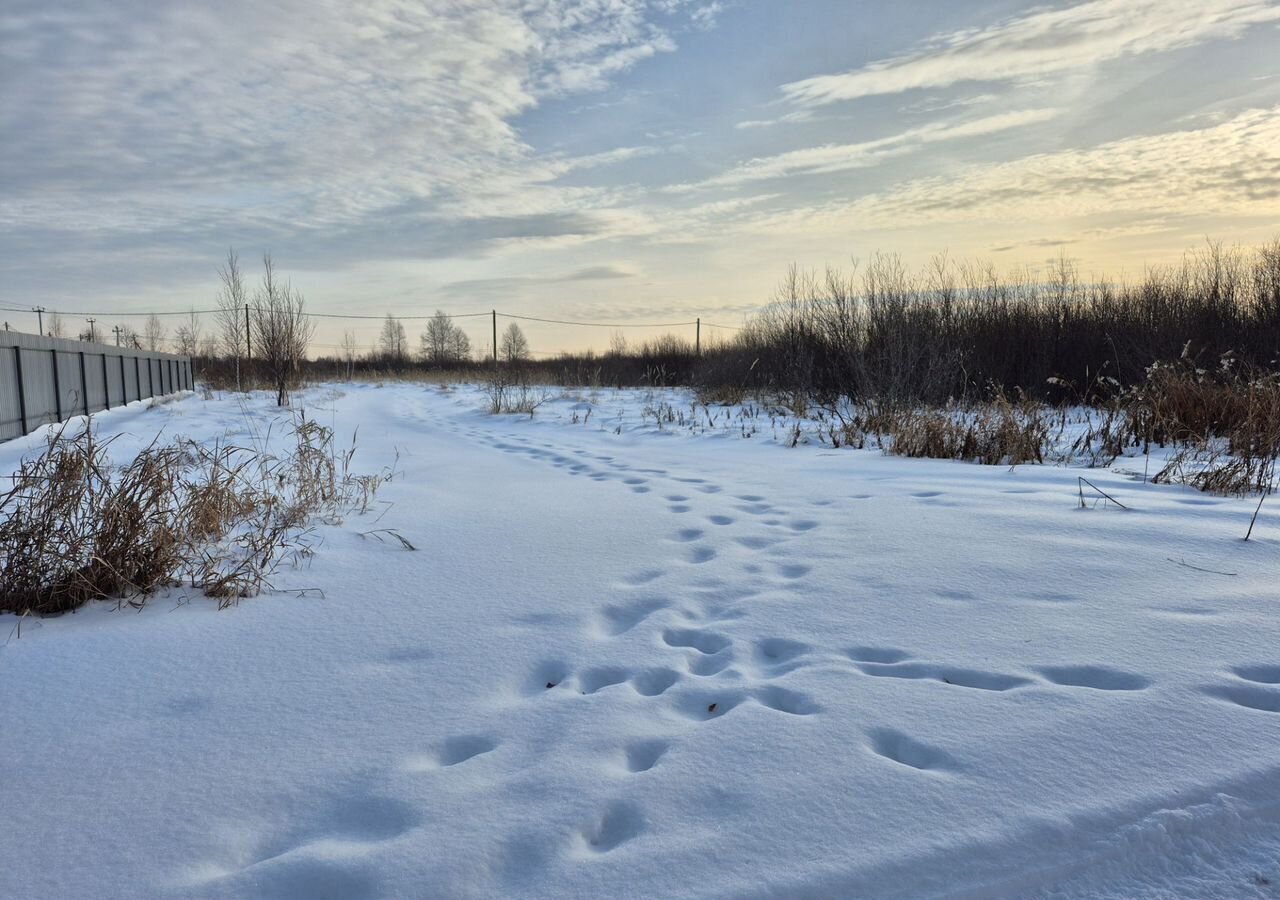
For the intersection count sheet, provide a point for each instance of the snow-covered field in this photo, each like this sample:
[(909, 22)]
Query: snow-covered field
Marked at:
[(632, 660)]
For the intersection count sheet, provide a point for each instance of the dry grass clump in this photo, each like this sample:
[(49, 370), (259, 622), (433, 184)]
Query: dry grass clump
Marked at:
[(1227, 424), (221, 519), (1002, 432)]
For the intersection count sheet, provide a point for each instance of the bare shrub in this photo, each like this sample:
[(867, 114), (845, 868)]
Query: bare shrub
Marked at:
[(511, 391)]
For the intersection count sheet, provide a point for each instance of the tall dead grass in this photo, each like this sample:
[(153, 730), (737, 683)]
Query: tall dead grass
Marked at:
[(221, 519)]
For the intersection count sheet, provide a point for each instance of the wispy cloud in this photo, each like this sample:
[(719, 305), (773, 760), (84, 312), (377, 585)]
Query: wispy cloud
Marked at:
[(1231, 167), (842, 157), (276, 121), (1046, 42)]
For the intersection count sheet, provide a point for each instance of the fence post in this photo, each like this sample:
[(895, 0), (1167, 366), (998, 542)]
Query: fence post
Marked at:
[(495, 337), (124, 384), (137, 376), (106, 384), (22, 389), (84, 385), (57, 385), (697, 338)]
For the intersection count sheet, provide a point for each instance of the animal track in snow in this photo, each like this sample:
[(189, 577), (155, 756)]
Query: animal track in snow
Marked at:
[(756, 543), (707, 665), (643, 755), (699, 555), (685, 535), (877, 654), (803, 525), (547, 676), (907, 751), (794, 570), (621, 618), (721, 520), (707, 642), (786, 701), (702, 706), (593, 680), (1252, 696), (678, 508), (619, 822), (454, 751), (1264, 673), (968, 678), (1100, 678), (653, 682), (780, 655)]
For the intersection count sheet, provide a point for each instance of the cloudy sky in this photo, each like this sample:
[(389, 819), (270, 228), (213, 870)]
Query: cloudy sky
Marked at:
[(615, 160)]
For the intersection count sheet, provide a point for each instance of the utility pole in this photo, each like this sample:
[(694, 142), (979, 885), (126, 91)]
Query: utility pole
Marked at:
[(248, 340), (697, 338), (39, 311), (91, 337), (495, 337), (117, 331)]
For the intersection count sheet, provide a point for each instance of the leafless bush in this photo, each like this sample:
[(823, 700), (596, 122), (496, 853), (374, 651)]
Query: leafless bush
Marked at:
[(218, 518), (510, 390)]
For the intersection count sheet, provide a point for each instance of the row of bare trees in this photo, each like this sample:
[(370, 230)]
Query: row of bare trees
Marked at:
[(442, 343)]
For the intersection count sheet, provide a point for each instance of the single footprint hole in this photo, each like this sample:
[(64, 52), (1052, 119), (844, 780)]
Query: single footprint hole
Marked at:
[(644, 755), (1099, 678), (620, 822), (548, 675), (594, 680), (653, 682), (1248, 695), (907, 751), (786, 701), (699, 555), (876, 654), (703, 641), (778, 650), (460, 749), (1264, 673)]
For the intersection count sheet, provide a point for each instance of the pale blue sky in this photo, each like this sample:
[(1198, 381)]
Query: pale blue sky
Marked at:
[(616, 159)]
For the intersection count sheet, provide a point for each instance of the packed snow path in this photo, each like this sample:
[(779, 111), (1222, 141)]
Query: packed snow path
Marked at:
[(624, 663)]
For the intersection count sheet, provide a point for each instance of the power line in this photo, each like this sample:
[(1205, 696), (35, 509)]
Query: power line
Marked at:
[(597, 324)]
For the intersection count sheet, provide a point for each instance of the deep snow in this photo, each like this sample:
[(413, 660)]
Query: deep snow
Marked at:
[(636, 661)]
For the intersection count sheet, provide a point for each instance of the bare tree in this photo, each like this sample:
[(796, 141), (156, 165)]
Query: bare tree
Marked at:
[(281, 330), (230, 319), (514, 346), (55, 325), (459, 345), (349, 350), (186, 337), (393, 341), (443, 342), (435, 340), (153, 333)]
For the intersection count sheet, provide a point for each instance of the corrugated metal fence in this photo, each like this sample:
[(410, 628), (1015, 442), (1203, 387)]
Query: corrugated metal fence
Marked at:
[(45, 380)]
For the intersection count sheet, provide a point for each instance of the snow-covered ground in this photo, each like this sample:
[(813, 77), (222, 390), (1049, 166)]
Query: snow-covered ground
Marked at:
[(632, 660)]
